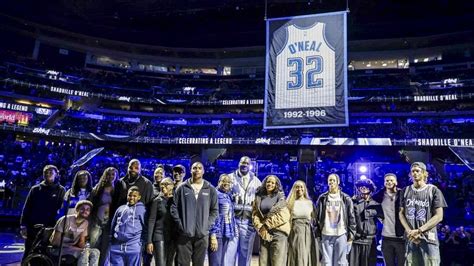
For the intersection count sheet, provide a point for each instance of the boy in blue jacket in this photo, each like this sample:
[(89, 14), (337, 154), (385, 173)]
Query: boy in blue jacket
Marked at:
[(127, 225)]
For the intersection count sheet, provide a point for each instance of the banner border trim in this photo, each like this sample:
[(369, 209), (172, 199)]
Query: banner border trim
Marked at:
[(308, 16)]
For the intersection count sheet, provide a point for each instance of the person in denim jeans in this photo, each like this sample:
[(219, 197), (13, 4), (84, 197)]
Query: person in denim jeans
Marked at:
[(336, 223), (421, 210), (224, 228), (245, 184)]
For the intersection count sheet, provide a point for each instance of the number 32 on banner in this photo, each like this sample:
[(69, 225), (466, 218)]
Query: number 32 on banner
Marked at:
[(299, 72)]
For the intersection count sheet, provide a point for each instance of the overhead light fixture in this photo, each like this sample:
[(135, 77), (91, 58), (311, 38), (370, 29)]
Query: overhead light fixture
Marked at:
[(24, 102), (363, 169)]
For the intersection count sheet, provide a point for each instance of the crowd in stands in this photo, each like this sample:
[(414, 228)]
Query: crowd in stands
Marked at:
[(394, 130), (456, 244), (121, 82), (435, 76), (97, 126), (128, 83), (399, 81), (361, 127), (111, 83), (412, 107), (439, 129)]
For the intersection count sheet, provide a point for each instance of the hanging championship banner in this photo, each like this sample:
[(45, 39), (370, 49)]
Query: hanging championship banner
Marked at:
[(306, 71)]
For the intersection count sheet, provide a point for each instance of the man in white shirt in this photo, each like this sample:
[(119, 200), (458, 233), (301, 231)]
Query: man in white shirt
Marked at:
[(336, 223)]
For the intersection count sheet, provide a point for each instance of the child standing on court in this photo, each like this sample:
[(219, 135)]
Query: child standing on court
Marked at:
[(127, 228)]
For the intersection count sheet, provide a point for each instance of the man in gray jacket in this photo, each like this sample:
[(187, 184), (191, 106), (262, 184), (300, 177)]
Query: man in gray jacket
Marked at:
[(194, 210)]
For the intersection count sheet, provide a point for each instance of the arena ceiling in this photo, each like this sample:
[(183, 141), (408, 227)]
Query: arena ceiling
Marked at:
[(235, 23)]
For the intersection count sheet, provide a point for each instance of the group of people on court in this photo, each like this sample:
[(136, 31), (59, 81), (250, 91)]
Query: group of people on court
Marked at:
[(130, 220)]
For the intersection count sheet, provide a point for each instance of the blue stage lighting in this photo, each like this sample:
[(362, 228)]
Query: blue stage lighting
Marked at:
[(363, 169)]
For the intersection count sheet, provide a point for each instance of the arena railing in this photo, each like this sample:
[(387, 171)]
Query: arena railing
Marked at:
[(264, 141), (188, 99)]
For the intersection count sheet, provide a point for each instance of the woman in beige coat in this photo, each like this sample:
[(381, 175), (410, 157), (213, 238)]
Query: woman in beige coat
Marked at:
[(271, 218)]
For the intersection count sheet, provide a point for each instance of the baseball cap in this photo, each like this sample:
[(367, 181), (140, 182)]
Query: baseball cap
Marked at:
[(179, 168), (418, 164)]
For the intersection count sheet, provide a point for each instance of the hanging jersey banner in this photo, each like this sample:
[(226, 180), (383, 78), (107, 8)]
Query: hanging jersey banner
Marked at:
[(306, 71)]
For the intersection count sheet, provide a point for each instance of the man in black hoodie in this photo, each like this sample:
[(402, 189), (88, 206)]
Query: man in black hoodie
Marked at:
[(194, 211), (145, 187), (393, 244), (41, 206)]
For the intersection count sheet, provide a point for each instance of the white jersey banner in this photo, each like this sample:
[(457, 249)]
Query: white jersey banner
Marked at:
[(306, 71)]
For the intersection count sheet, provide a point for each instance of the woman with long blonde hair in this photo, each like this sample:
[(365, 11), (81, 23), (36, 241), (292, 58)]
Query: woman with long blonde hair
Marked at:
[(303, 250)]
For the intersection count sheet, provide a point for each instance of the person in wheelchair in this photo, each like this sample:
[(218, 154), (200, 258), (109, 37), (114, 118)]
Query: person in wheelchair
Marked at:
[(40, 252), (75, 234)]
